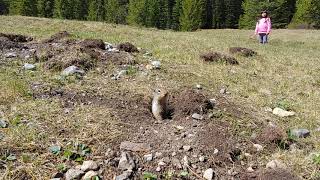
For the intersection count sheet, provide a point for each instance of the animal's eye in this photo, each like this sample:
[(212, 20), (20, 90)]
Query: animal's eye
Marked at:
[(159, 91)]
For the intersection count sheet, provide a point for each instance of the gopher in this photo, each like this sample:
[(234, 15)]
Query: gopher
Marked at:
[(160, 104)]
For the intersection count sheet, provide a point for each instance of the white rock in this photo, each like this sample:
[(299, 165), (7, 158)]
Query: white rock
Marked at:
[(173, 154), (148, 157), (89, 175), (282, 113), (179, 127), (223, 91), (199, 86), (250, 169), (216, 151), (202, 158), (89, 165), (275, 164), (156, 64), (27, 66), (158, 154), (126, 162), (161, 163), (158, 169), (197, 116), (208, 174), (72, 70), (258, 147), (10, 55), (73, 174), (186, 148)]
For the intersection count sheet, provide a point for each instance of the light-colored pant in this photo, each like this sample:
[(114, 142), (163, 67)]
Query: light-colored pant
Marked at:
[(263, 38)]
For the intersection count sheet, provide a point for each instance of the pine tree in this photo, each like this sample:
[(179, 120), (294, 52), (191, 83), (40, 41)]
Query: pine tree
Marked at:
[(136, 14), (219, 16), (315, 13), (207, 16), (232, 11), (191, 18), (80, 9), (24, 7), (96, 10), (176, 13), (116, 11), (45, 8), (3, 7)]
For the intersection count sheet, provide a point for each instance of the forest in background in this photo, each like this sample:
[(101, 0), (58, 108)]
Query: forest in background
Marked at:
[(182, 15)]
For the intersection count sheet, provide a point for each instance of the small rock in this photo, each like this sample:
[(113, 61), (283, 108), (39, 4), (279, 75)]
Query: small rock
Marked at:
[(10, 55), (27, 66), (250, 169), (198, 86), (213, 102), (176, 163), (223, 91), (208, 174), (265, 92), (161, 163), (121, 74), (124, 176), (197, 116), (89, 175), (3, 123), (317, 130), (216, 151), (179, 128), (89, 165), (56, 179), (148, 157), (126, 162), (268, 109), (158, 169), (185, 161), (74, 174), (275, 165), (173, 154), (156, 64), (202, 158), (282, 113), (186, 148), (300, 133), (158, 154), (72, 70), (258, 147), (247, 155), (135, 147)]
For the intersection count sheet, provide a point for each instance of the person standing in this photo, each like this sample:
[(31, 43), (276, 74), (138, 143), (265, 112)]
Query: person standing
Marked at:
[(263, 27)]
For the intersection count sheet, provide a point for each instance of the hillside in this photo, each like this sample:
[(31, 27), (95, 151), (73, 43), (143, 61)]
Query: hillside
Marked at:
[(221, 113)]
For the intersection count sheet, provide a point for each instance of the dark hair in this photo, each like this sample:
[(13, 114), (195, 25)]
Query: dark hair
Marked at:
[(264, 11)]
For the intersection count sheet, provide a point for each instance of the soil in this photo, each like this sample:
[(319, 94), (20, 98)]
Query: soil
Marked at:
[(57, 37), (127, 47), (269, 174), (217, 57), (242, 51)]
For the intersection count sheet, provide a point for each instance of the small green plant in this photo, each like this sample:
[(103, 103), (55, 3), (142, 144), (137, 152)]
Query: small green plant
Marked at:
[(184, 174), (316, 159), (26, 158), (149, 176), (62, 167), (284, 104), (76, 152), (16, 120), (55, 150), (131, 70)]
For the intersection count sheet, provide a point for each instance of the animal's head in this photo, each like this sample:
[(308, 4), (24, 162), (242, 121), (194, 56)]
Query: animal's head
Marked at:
[(160, 93)]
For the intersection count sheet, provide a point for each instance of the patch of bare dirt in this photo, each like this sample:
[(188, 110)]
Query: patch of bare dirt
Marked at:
[(16, 37), (57, 37), (127, 47), (242, 51), (269, 174), (217, 57)]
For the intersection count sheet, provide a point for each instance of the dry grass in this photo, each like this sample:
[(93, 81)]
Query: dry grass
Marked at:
[(288, 67)]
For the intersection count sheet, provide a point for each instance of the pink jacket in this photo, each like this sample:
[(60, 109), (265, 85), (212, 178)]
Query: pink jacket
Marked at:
[(263, 26)]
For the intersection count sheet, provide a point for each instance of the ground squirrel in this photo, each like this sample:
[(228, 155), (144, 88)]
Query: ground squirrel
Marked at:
[(160, 104)]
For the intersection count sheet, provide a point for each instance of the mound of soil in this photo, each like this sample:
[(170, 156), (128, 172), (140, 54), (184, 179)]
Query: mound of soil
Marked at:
[(6, 43), (269, 174), (57, 37), (93, 43), (242, 51), (127, 47), (189, 102), (216, 57), (16, 37), (120, 58), (272, 137)]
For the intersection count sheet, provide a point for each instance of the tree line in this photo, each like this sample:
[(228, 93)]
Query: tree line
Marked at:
[(184, 15)]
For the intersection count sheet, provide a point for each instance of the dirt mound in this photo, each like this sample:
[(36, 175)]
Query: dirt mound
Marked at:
[(93, 43), (189, 101), (273, 137), (127, 47), (58, 37), (242, 51), (6, 43), (216, 57), (269, 175), (16, 37), (120, 58)]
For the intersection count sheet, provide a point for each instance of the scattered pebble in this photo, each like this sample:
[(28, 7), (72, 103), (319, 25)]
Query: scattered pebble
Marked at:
[(89, 165), (300, 133), (126, 162), (198, 86), (176, 163), (223, 91), (173, 154), (186, 148), (197, 116), (208, 174), (10, 55), (282, 113), (71, 70), (317, 130), (156, 64), (250, 169), (258, 147), (90, 175), (3, 123), (216, 151), (202, 158), (179, 128), (158, 169), (27, 66), (213, 102), (74, 174), (275, 165), (148, 157), (158, 154), (135, 147), (124, 176), (247, 155), (161, 163)]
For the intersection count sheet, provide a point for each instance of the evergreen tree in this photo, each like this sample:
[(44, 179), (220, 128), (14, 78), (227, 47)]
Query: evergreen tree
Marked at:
[(219, 16), (176, 13), (315, 13), (208, 15), (24, 7), (45, 8), (80, 9), (96, 10), (116, 11), (136, 14), (3, 7), (191, 17), (233, 11)]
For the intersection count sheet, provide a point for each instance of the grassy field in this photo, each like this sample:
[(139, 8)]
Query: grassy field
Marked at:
[(287, 71)]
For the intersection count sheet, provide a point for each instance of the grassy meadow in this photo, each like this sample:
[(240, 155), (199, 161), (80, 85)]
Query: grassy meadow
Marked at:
[(287, 71)]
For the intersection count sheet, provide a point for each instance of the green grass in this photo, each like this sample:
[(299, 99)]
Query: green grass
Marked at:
[(288, 67)]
